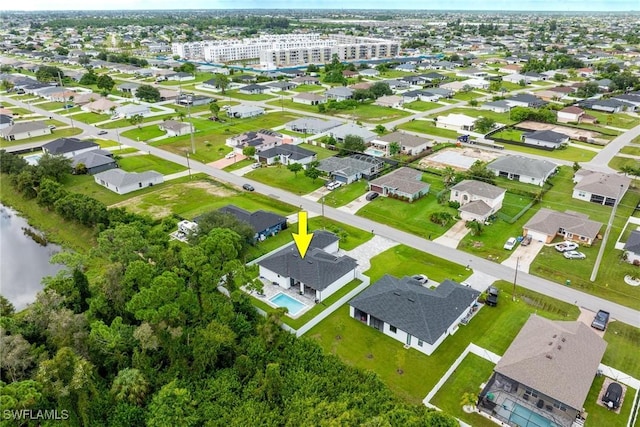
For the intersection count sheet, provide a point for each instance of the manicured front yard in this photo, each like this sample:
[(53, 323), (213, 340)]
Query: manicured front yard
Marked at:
[(144, 133), (281, 177), (249, 97), (146, 162), (90, 118), (422, 105), (618, 162), (345, 194), (428, 127)]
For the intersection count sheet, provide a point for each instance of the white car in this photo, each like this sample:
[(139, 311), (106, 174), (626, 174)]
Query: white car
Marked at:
[(231, 155), (566, 246), (256, 165), (511, 243), (333, 185), (574, 255)]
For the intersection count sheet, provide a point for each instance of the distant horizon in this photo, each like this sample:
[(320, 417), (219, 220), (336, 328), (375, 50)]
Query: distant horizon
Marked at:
[(541, 6)]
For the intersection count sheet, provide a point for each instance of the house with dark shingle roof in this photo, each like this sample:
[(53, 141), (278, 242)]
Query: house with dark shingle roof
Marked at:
[(545, 138), (286, 154), (352, 168), (601, 188), (417, 316), (69, 147), (523, 169), (264, 223), (95, 161), (404, 183), (319, 274), (253, 89), (632, 248), (546, 224), (550, 365), (525, 100), (478, 200)]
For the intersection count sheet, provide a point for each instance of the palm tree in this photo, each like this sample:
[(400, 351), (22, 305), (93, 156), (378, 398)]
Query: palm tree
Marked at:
[(130, 386), (468, 399), (475, 227), (448, 175), (215, 108)]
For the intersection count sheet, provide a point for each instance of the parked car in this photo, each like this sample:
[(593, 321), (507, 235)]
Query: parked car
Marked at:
[(612, 396), (103, 132), (574, 255), (52, 127), (256, 165), (601, 320), (566, 246), (372, 195), (419, 277), (526, 241), (492, 296), (230, 155), (248, 187), (511, 243), (333, 185)]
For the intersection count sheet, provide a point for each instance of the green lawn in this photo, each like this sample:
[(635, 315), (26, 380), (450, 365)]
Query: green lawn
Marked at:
[(422, 105), (50, 106), (472, 112), (511, 86), (510, 134), (634, 151), (428, 127), (601, 416), (147, 162), (617, 120), (307, 88), (210, 136), (365, 112), (90, 118), (125, 122), (573, 153), (467, 96), (345, 194), (618, 162), (239, 164), (19, 111), (321, 153), (248, 97), (636, 140), (58, 133), (410, 217), (288, 103), (144, 133), (358, 341), (281, 177)]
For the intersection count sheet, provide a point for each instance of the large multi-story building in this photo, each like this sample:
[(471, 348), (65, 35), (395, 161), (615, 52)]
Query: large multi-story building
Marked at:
[(275, 51)]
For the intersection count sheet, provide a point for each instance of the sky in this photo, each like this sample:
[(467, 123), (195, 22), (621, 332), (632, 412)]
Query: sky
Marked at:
[(511, 5)]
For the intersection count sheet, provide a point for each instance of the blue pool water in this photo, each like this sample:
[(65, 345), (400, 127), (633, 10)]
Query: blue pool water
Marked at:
[(374, 152), (524, 417), (284, 300), (33, 159)]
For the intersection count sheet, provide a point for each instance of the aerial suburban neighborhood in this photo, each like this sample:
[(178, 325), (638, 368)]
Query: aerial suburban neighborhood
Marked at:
[(320, 216)]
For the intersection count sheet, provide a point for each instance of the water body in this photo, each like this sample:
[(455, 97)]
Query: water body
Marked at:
[(23, 262)]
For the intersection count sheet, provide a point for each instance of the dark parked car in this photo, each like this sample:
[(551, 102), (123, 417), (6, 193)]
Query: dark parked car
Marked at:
[(526, 241), (601, 320), (612, 396), (248, 187), (103, 132), (372, 195), (492, 296)]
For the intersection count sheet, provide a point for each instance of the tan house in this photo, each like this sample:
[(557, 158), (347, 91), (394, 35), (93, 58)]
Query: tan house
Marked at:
[(100, 106), (403, 183), (392, 101), (25, 130), (574, 114), (174, 128), (478, 200), (601, 188), (546, 224)]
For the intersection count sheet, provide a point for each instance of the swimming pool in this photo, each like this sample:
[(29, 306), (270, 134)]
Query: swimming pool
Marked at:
[(525, 417), (33, 159), (374, 152), (284, 300)]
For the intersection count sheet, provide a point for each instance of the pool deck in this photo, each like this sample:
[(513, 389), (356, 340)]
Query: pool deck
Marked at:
[(270, 290)]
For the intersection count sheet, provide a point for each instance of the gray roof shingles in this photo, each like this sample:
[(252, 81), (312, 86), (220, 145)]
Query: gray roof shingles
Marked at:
[(525, 166)]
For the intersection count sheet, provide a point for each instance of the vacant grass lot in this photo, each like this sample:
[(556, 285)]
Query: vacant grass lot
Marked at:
[(125, 122), (365, 112), (573, 153), (50, 106), (147, 162), (467, 96), (90, 118), (618, 162), (249, 97), (210, 136), (422, 105), (617, 120), (144, 133), (281, 177), (358, 341), (472, 112), (428, 127), (307, 88), (633, 150), (410, 217)]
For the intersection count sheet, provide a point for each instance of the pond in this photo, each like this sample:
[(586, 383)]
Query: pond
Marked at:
[(23, 261)]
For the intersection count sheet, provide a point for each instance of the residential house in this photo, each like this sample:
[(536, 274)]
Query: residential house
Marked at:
[(5, 121), (397, 84), (244, 111), (545, 138), (420, 95), (352, 168), (349, 74), (341, 132), (585, 72), (607, 105), (573, 114), (391, 101), (510, 68), (95, 161), (306, 80), (253, 89), (130, 110), (444, 93), (123, 182), (632, 248), (181, 77), (417, 316), (409, 144), (309, 98), (370, 72), (280, 86), (319, 274), (311, 125), (361, 86), (478, 200), (525, 100), (404, 183), (25, 130), (100, 106), (286, 154), (264, 223), (534, 77), (547, 224), (261, 140), (500, 106), (191, 100), (128, 87), (523, 169), (69, 147), (632, 98), (175, 128), (457, 122), (547, 371), (339, 93), (601, 188)]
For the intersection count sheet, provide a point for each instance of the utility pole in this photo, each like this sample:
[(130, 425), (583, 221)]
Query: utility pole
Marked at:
[(515, 277), (596, 266), (193, 144), (64, 97), (188, 164)]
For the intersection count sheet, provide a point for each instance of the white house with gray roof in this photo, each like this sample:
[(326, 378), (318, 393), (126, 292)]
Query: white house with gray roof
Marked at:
[(601, 188), (318, 275), (25, 130), (352, 168), (339, 93), (311, 125), (409, 144), (123, 182), (546, 224), (523, 169), (545, 138), (417, 316), (478, 200), (244, 111), (341, 132)]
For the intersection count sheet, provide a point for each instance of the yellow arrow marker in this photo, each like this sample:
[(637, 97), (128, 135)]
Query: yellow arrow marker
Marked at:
[(302, 239)]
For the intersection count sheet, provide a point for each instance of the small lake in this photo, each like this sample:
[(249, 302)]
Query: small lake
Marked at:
[(23, 262)]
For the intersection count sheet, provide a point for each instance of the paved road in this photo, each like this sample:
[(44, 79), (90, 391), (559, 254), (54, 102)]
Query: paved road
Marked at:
[(601, 161), (538, 284)]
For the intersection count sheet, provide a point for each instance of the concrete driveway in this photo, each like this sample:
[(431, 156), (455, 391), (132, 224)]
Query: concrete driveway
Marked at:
[(586, 317), (526, 254), (451, 238), (223, 163), (355, 205), (368, 250)]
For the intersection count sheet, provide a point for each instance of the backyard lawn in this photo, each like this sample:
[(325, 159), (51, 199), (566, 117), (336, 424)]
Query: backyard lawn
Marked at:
[(321, 153), (601, 416), (362, 346), (281, 177), (422, 105), (146, 162), (144, 133), (617, 120), (410, 217), (428, 127)]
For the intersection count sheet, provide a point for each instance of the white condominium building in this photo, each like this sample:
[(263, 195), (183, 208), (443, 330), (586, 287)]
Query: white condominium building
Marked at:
[(288, 50)]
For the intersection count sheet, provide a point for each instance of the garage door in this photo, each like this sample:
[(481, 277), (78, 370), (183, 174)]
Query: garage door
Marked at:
[(537, 236)]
